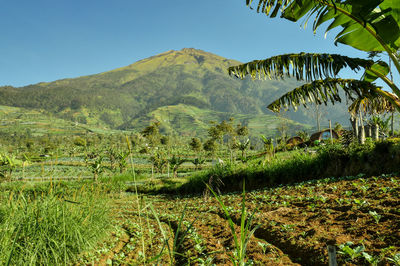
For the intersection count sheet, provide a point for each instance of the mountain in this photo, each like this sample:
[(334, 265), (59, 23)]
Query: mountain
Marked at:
[(164, 87)]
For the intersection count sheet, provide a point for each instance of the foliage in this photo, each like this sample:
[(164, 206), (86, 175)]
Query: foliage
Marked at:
[(368, 27), (159, 161), (133, 96), (51, 228), (196, 145), (241, 241), (330, 160), (8, 163), (175, 162), (210, 145), (94, 162)]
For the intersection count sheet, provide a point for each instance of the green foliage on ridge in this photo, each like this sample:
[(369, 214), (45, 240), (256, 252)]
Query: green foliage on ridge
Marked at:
[(130, 97)]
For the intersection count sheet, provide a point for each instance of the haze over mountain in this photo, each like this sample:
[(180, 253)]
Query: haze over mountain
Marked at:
[(183, 90)]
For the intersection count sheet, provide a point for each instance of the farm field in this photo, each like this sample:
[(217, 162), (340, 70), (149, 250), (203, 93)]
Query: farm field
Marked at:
[(295, 224), (118, 149), (131, 199)]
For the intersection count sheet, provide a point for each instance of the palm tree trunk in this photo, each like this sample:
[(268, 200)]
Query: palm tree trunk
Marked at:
[(376, 132), (362, 135), (354, 123), (392, 125)]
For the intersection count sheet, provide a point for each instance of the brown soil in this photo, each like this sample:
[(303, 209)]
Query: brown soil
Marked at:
[(296, 223)]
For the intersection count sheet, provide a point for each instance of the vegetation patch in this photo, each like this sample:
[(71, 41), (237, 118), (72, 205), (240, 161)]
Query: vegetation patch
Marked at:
[(50, 224)]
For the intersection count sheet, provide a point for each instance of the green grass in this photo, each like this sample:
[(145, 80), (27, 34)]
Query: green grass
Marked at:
[(297, 166), (50, 224)]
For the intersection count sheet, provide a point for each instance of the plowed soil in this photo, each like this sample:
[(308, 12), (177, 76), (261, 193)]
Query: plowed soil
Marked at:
[(295, 224)]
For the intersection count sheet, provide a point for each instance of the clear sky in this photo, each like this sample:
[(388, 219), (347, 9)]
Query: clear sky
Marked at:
[(46, 40)]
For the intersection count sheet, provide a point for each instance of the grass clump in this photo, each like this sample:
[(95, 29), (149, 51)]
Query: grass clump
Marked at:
[(50, 228)]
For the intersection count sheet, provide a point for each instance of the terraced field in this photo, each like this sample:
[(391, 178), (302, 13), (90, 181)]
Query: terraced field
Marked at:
[(360, 216)]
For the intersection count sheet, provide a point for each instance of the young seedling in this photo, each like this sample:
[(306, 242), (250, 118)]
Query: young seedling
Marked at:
[(375, 215), (241, 241), (395, 259), (349, 252), (180, 236)]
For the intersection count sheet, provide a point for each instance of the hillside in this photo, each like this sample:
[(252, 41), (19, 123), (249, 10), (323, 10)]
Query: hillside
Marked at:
[(131, 96)]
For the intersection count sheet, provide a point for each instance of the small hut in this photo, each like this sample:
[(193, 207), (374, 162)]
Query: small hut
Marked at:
[(295, 141), (324, 135)]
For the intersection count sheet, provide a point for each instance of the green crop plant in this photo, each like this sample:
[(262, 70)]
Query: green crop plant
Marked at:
[(372, 260), (287, 227), (8, 164), (375, 215), (340, 201), (175, 162), (350, 253), (241, 241), (180, 235), (360, 203), (95, 165), (264, 246), (198, 162), (348, 193), (395, 259), (121, 157)]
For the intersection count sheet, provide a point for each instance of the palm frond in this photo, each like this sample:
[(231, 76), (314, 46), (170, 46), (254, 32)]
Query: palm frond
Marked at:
[(376, 105), (303, 66), (367, 25), (324, 91)]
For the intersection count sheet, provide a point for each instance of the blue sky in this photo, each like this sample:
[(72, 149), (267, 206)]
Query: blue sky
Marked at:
[(46, 40)]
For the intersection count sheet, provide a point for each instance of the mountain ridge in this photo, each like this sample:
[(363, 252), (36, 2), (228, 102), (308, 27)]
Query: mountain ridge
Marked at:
[(121, 96)]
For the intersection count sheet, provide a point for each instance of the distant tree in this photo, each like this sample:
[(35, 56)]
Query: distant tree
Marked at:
[(78, 141), (175, 162), (82, 119), (242, 130), (210, 145), (152, 133), (198, 162), (195, 144)]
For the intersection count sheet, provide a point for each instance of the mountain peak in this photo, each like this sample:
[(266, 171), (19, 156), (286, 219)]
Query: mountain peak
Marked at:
[(191, 50)]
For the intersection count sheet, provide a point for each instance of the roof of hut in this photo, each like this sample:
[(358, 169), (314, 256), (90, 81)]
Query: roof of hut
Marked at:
[(320, 135), (295, 140)]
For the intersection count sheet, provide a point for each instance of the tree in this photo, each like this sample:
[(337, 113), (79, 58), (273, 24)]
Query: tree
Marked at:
[(152, 133), (371, 26), (175, 162), (195, 144)]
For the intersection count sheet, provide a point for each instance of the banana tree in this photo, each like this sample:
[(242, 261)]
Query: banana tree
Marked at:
[(367, 25), (175, 162)]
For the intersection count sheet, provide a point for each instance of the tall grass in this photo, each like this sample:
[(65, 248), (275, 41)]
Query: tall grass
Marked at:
[(297, 166), (50, 226)]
